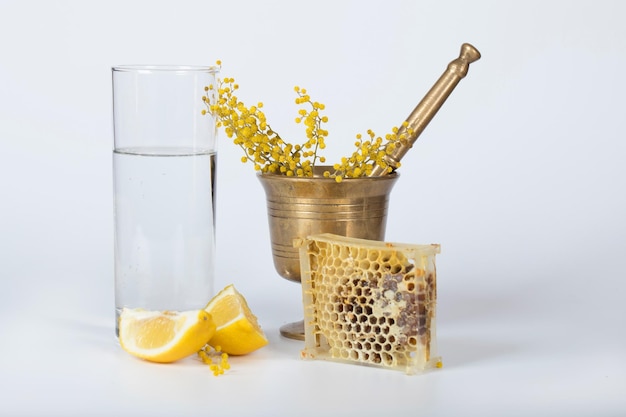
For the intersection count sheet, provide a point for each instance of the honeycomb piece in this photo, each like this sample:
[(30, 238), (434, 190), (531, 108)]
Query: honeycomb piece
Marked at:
[(369, 302)]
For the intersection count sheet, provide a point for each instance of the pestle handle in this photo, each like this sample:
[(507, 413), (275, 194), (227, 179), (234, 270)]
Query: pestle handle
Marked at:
[(430, 104)]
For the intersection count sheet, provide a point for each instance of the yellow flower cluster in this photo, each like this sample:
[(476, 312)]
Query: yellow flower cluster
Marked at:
[(312, 119), (368, 154), (207, 354), (262, 146)]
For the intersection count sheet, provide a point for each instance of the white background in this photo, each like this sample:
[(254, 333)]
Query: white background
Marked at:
[(520, 178)]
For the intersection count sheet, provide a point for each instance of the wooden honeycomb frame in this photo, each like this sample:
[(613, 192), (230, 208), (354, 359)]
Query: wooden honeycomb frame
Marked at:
[(369, 302)]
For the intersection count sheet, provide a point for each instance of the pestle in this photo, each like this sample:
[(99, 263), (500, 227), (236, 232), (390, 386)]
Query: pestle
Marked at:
[(430, 104)]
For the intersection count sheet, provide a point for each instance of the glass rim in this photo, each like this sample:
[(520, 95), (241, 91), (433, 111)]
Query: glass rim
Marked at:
[(141, 68)]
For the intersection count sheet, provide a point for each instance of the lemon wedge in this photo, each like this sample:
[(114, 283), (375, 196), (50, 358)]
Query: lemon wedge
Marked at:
[(164, 336), (238, 331)]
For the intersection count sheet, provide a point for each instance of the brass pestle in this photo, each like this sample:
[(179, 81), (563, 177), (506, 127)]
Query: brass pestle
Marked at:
[(428, 107)]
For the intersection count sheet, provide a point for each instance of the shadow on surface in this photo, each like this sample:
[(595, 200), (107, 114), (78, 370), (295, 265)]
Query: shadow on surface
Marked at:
[(461, 351)]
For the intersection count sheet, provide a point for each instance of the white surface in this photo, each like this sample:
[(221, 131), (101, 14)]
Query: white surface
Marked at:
[(520, 178)]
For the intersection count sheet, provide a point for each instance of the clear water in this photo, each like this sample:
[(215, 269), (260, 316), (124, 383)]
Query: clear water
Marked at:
[(164, 228)]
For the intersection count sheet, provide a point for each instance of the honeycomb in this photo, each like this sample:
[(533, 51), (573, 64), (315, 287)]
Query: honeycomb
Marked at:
[(369, 302)]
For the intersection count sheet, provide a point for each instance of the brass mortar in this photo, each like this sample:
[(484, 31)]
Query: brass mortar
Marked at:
[(298, 207)]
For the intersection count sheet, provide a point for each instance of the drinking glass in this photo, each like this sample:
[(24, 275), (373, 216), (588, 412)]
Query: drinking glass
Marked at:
[(164, 163)]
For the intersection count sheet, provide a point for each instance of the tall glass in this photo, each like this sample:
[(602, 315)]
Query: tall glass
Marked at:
[(164, 187)]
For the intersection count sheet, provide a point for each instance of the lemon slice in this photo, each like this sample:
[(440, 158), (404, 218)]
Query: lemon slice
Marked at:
[(238, 331), (164, 336)]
